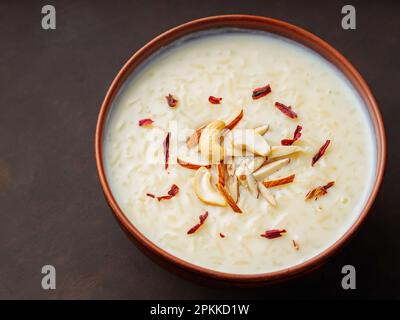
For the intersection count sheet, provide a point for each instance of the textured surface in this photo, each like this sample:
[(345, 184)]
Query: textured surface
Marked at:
[(52, 210)]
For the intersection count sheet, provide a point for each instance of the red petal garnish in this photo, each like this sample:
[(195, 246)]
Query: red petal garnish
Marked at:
[(296, 136), (320, 152), (274, 233), (174, 190), (150, 195), (221, 235), (261, 92), (166, 150), (171, 193), (278, 182), (214, 100), (202, 218), (319, 191), (235, 121), (287, 110), (145, 122), (172, 102)]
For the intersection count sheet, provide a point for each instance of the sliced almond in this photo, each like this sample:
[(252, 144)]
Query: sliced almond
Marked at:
[(230, 168), (252, 184), (192, 163), (232, 186), (266, 194), (255, 163), (246, 178), (279, 182), (194, 139), (251, 141), (262, 129), (221, 173), (281, 151), (270, 168), (235, 121), (228, 198), (210, 147), (241, 172)]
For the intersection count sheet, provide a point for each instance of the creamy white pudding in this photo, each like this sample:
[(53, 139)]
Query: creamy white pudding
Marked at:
[(230, 65)]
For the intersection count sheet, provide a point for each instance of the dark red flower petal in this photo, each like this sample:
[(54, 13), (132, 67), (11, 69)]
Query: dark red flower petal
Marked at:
[(214, 100), (287, 110), (145, 122), (320, 152), (274, 233), (172, 102), (296, 136), (166, 150), (261, 92)]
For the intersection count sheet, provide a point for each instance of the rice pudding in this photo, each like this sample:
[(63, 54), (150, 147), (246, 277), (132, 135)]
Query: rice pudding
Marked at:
[(270, 151)]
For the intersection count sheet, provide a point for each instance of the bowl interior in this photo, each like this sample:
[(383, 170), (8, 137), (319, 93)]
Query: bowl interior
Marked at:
[(253, 23)]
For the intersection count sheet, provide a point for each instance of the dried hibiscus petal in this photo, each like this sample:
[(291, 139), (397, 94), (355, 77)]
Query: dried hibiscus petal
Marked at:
[(171, 193), (235, 121), (174, 190), (221, 235), (145, 122), (287, 110), (296, 136), (214, 100), (166, 150), (320, 152), (172, 102), (274, 233), (261, 92), (150, 195), (319, 191), (278, 182), (202, 218)]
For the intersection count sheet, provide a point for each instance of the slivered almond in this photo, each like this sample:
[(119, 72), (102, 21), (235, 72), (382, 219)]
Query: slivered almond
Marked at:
[(221, 173), (230, 168), (191, 165), (229, 198), (232, 186), (270, 168), (251, 183), (266, 194), (255, 163), (251, 141), (281, 151), (194, 139), (241, 172), (278, 182), (262, 129), (235, 121)]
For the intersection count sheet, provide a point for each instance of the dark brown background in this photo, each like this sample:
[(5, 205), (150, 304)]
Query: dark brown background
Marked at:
[(52, 209)]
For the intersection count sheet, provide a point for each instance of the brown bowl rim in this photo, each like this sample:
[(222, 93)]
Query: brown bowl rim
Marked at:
[(258, 23)]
